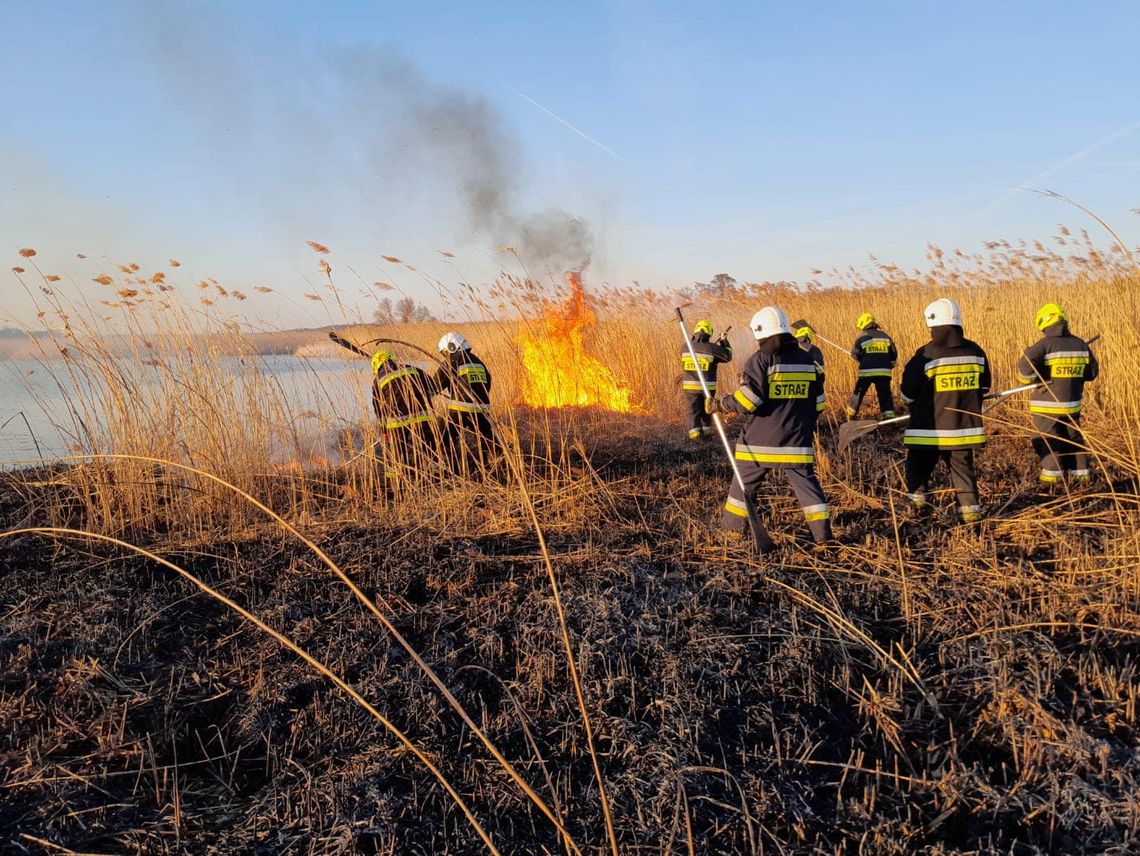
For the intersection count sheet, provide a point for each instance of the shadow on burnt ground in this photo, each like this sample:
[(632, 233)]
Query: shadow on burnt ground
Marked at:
[(748, 705)]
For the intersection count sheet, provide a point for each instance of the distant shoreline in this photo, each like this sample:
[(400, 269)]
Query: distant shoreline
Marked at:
[(309, 343)]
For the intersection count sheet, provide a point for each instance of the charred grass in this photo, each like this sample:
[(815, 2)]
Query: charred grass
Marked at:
[(953, 691)]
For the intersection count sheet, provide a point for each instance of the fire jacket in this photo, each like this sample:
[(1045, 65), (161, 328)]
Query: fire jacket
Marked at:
[(709, 356), (1065, 363), (875, 353), (401, 396), (781, 393), (467, 386), (943, 384), (814, 354)]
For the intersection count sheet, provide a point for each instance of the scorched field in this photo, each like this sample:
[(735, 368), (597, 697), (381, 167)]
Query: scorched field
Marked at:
[(217, 636)]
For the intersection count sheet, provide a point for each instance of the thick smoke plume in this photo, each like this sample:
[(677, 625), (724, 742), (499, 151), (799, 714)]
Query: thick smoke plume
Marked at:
[(460, 135), (360, 125)]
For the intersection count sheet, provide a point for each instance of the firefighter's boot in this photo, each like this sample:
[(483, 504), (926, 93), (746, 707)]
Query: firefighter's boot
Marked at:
[(917, 507), (1079, 480), (821, 534), (970, 515)]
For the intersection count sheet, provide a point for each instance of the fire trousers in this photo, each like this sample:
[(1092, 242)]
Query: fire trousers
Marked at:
[(921, 462), (882, 391), (405, 453), (1060, 446), (700, 423), (469, 441), (803, 481)]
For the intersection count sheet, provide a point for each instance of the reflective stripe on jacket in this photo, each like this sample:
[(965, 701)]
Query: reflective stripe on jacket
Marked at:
[(400, 396), (709, 356), (467, 386), (404, 422), (1065, 363), (875, 352), (781, 393), (943, 383)]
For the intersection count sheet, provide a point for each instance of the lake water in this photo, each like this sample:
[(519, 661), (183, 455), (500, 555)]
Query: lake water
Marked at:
[(326, 393)]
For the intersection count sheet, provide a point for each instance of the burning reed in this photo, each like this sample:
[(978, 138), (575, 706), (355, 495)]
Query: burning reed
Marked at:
[(559, 370)]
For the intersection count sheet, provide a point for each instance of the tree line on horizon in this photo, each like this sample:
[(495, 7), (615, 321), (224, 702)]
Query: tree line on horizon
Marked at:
[(403, 311)]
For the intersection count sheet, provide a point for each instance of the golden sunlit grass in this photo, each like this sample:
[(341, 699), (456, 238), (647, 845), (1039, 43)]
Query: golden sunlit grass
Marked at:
[(559, 652)]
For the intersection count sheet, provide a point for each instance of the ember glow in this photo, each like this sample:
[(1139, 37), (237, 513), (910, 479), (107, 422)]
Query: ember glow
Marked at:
[(558, 370)]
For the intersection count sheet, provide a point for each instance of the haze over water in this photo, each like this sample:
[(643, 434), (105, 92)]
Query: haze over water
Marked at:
[(331, 395)]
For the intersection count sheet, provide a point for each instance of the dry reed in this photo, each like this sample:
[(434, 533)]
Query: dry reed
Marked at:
[(934, 689)]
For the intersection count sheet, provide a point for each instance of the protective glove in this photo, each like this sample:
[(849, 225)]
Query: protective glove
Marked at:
[(722, 342), (713, 405)]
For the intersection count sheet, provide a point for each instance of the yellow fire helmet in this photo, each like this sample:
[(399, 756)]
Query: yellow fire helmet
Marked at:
[(379, 358), (704, 326), (1050, 314), (864, 321)]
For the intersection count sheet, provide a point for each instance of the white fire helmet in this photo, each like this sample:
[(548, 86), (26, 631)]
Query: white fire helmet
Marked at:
[(452, 342), (943, 312), (769, 322)]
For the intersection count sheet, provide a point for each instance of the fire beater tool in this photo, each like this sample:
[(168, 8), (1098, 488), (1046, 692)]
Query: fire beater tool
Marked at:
[(461, 386), (347, 345), (849, 432)]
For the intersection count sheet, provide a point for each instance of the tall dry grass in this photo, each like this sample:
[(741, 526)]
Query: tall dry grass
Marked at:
[(179, 372), (154, 371)]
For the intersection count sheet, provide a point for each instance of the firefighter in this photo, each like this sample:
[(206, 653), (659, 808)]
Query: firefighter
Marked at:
[(401, 399), (943, 385), (466, 386), (781, 395), (709, 355), (876, 355), (805, 335), (1065, 364)]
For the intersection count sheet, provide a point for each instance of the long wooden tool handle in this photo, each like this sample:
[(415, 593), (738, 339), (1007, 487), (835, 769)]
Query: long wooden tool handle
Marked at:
[(347, 345), (837, 347)]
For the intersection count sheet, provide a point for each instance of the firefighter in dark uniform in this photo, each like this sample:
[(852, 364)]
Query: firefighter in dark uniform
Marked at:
[(1065, 364), (709, 355), (780, 396), (943, 384), (876, 355), (466, 386), (805, 335), (401, 399)]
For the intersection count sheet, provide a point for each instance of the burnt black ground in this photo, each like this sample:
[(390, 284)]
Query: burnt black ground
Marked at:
[(139, 715)]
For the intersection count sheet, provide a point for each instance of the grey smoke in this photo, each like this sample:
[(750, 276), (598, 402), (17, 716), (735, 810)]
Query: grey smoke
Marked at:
[(554, 236), (360, 124), (454, 139)]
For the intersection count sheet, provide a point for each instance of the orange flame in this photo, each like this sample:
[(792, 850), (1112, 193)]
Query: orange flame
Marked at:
[(559, 372)]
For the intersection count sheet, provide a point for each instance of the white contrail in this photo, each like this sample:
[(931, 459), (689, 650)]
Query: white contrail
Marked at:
[(1072, 159), (577, 131), (1083, 153)]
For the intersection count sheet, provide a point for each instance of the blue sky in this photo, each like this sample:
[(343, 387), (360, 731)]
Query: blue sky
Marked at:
[(761, 139)]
